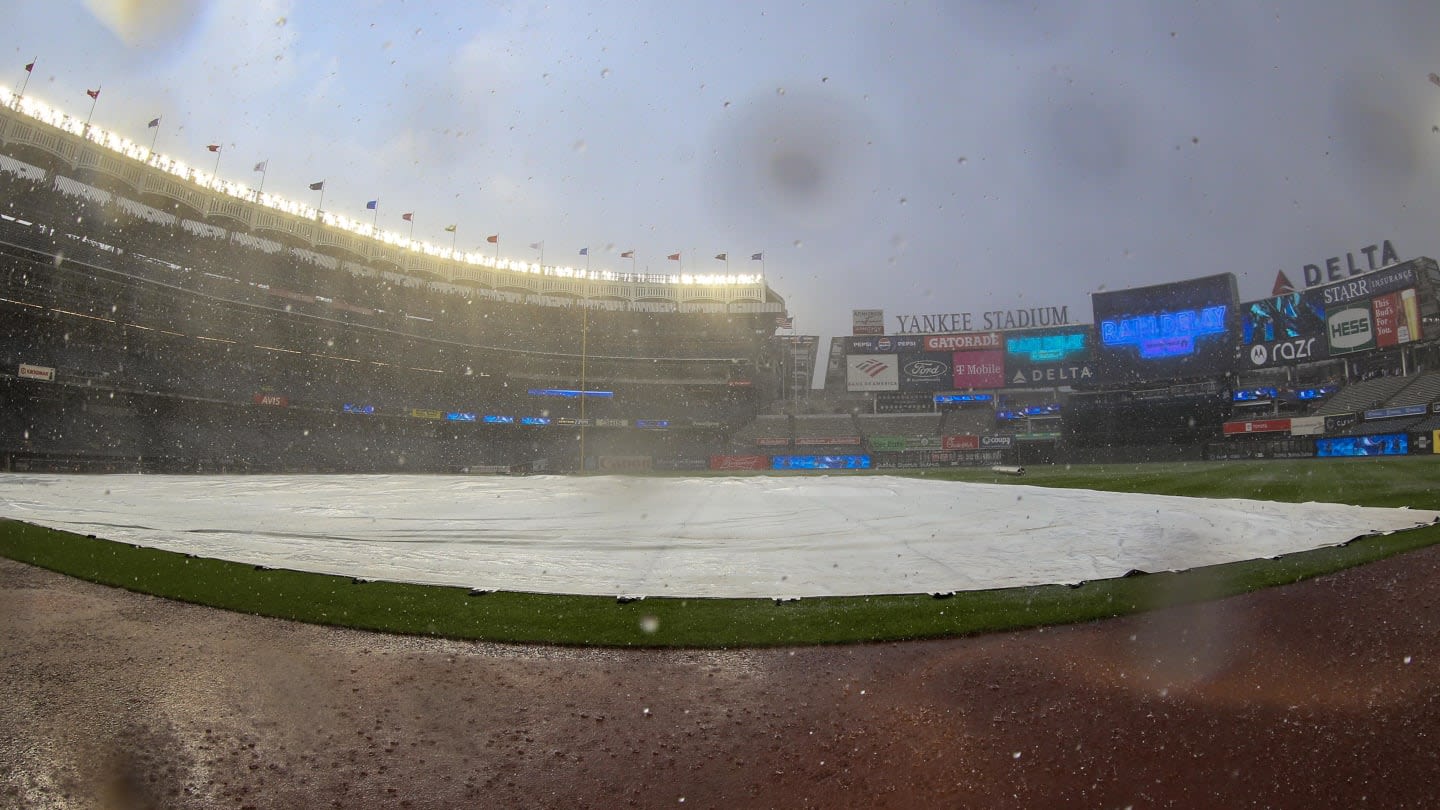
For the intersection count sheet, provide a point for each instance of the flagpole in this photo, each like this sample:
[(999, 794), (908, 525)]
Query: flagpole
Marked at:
[(321, 208), (264, 170), (30, 68), (154, 140), (94, 99), (412, 229), (376, 218), (218, 152), (584, 383), (454, 234)]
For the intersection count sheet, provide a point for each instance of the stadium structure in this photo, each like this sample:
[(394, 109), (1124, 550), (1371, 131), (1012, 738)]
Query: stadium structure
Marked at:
[(155, 317), (1175, 371)]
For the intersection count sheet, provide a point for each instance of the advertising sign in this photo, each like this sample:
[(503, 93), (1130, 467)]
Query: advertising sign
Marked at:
[(867, 322), (883, 344), (820, 463), (29, 372), (1397, 318), (739, 462), (1386, 312), (1282, 330), (1049, 357), (1168, 331), (1256, 426), (1369, 285), (996, 442), (275, 400), (885, 444), (1387, 444), (979, 369), (968, 341), (625, 463), (1393, 413), (926, 372), (1341, 421), (1307, 426), (872, 372), (772, 441), (819, 441), (960, 442), (1350, 329)]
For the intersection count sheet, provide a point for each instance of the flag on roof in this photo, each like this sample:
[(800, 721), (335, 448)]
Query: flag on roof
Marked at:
[(154, 122), (784, 322), (1282, 284), (629, 254), (493, 238), (320, 186), (450, 228), (93, 93), (372, 205), (757, 257), (584, 251), (408, 216), (30, 68), (262, 166), (536, 245), (724, 257), (214, 147), (674, 257)]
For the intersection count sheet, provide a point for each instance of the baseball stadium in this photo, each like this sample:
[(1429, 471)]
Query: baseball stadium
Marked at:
[(230, 419)]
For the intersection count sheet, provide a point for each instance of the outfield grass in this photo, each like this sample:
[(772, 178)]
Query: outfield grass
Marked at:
[(588, 620)]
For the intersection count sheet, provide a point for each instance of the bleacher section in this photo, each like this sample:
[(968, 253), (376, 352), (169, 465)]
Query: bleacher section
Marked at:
[(903, 425), (764, 430), (968, 422), (1362, 396), (203, 346), (1424, 390)]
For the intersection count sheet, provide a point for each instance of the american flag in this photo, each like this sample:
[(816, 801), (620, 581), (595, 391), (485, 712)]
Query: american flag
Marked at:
[(784, 322)]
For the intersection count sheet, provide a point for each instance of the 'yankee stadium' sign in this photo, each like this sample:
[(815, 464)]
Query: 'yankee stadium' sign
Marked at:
[(994, 319)]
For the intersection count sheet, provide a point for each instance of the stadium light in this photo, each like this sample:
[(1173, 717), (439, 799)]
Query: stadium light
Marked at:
[(114, 142)]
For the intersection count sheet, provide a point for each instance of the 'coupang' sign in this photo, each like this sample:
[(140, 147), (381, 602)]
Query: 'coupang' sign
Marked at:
[(1168, 331)]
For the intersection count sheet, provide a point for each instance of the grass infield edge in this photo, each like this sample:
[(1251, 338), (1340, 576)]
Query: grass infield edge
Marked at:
[(516, 617)]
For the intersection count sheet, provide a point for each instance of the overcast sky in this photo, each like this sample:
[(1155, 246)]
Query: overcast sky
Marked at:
[(919, 157)]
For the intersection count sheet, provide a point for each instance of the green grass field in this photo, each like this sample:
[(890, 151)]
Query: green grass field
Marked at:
[(585, 620)]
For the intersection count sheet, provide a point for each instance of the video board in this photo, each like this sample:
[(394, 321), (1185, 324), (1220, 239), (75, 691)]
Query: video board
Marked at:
[(820, 463), (1384, 444), (1050, 357), (1281, 330), (1167, 331)]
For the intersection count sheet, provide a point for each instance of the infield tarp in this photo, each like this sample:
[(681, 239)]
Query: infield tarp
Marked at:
[(755, 536)]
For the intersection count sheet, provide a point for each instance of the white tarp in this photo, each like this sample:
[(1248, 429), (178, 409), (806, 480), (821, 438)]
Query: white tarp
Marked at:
[(760, 536)]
